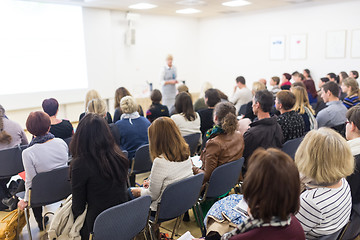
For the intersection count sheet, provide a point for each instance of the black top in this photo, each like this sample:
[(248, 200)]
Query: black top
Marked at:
[(89, 187), (108, 117), (62, 130), (354, 181), (206, 119), (118, 113), (292, 125), (157, 110)]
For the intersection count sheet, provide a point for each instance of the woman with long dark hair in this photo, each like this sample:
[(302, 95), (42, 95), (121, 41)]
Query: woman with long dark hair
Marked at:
[(98, 170)]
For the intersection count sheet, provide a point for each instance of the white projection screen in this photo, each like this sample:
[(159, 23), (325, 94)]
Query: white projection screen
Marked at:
[(42, 48)]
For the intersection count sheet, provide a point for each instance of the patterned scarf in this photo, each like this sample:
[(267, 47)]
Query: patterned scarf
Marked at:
[(216, 130), (41, 139), (252, 223)]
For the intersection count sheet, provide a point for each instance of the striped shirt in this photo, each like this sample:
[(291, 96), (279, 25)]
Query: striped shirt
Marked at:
[(351, 101), (324, 211)]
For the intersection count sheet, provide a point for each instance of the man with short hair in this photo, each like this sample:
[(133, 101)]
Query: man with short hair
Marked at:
[(334, 114), (331, 77), (320, 105), (212, 97), (265, 132), (274, 83), (241, 95)]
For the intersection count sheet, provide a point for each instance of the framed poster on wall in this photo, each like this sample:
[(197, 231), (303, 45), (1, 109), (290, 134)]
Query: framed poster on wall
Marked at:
[(355, 43), (335, 44), (298, 46), (277, 47)]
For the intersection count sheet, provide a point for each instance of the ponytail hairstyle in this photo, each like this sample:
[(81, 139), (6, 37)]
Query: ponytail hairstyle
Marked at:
[(226, 115), (4, 136)]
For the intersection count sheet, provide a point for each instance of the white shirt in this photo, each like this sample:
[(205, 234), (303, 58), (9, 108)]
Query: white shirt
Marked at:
[(185, 126), (240, 97)]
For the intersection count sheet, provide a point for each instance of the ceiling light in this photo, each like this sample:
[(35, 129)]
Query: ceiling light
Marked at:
[(236, 3), (142, 6), (191, 2), (188, 11)]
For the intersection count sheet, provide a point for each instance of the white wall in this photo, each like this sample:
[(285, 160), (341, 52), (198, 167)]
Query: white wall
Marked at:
[(239, 45)]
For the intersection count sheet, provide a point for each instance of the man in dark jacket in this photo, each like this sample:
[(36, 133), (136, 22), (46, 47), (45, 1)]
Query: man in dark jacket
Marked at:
[(265, 132)]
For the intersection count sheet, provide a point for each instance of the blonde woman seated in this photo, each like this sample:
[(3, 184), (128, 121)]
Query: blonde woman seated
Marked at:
[(119, 94), (171, 160), (324, 161), (225, 144), (93, 94), (351, 87)]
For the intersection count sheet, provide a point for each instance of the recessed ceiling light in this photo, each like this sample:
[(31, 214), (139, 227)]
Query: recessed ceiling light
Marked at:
[(188, 11), (191, 2), (142, 6), (236, 3)]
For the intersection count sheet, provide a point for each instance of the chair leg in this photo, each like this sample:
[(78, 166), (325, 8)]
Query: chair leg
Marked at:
[(176, 226), (27, 222), (201, 220), (152, 234)]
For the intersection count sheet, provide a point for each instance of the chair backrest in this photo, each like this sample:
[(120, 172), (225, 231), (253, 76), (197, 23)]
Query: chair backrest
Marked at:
[(341, 128), (142, 160), (179, 197), (192, 140), (126, 153), (67, 141), (11, 161), (223, 178), (333, 236), (123, 221), (352, 229), (50, 187), (290, 146)]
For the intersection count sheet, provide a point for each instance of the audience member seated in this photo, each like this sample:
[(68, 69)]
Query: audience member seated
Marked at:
[(342, 76), (271, 190), (291, 123), (351, 87), (334, 114), (257, 86), (156, 108), (200, 103), (310, 87), (297, 77), (303, 107), (320, 105), (181, 88), (132, 127), (98, 106), (353, 137), (11, 135), (60, 128), (354, 74), (171, 160), (241, 94), (45, 153), (212, 97), (186, 119), (265, 132), (93, 94), (119, 94), (223, 96), (285, 82), (225, 144), (274, 83), (98, 171), (324, 161), (332, 78)]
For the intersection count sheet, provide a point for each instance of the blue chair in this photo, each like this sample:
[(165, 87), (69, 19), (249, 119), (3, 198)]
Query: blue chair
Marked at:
[(290, 146), (140, 164), (352, 229), (123, 221), (11, 161), (193, 141), (176, 199)]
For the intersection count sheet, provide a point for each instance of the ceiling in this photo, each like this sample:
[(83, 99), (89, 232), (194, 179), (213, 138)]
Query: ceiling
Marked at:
[(209, 8)]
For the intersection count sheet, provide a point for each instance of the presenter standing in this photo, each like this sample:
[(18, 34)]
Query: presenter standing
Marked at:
[(168, 82)]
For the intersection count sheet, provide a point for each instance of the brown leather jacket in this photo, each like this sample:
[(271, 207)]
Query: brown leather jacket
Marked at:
[(219, 150)]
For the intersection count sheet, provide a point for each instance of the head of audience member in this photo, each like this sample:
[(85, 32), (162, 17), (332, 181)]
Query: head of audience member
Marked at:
[(38, 123), (331, 77), (263, 81), (354, 74), (342, 76), (275, 81), (94, 142), (296, 77), (302, 100), (262, 103), (183, 105), (225, 116), (223, 96), (156, 96), (322, 81), (4, 136), (119, 94), (285, 77), (182, 88), (318, 157), (257, 86), (330, 92), (169, 60), (285, 101), (307, 74), (212, 97), (128, 105), (97, 106), (272, 185), (204, 87), (298, 84), (294, 74), (240, 82), (50, 106), (165, 139), (91, 94), (350, 86), (353, 123)]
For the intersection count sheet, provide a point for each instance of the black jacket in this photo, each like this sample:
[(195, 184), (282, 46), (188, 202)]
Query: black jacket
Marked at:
[(354, 181)]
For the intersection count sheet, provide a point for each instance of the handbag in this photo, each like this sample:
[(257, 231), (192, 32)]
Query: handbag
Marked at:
[(12, 224)]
